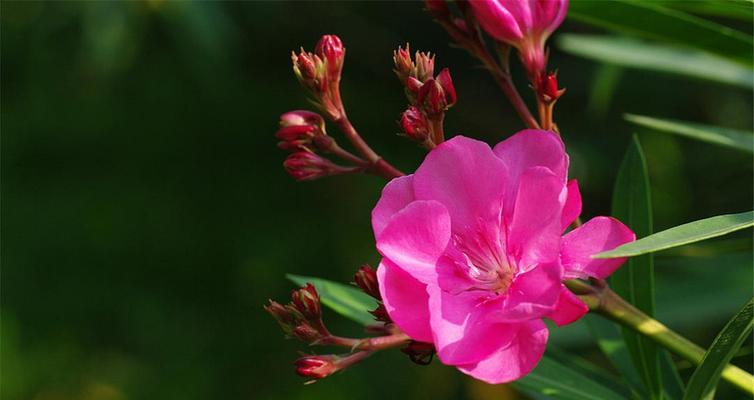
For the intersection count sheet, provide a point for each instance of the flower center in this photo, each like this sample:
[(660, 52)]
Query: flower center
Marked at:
[(485, 260)]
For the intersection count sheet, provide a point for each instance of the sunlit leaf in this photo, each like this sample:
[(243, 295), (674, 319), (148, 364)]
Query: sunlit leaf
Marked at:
[(653, 21), (732, 138), (634, 281), (346, 300), (738, 9), (633, 53), (683, 234), (704, 380)]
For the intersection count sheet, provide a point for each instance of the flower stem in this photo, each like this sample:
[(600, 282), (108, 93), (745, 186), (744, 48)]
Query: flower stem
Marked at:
[(369, 344), (602, 300), (377, 164)]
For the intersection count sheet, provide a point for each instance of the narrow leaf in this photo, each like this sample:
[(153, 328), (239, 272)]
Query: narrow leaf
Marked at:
[(736, 139), (704, 380), (558, 381), (632, 53), (653, 21), (634, 281), (610, 341), (347, 301), (738, 9), (683, 234)]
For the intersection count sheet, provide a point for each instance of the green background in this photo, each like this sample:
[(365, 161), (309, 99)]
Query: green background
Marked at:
[(146, 217)]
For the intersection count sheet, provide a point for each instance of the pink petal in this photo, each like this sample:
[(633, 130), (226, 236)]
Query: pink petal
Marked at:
[(568, 309), (497, 20), (462, 333), (532, 148), (534, 235), (396, 195), (532, 294), (515, 360), (406, 301), (572, 208), (415, 238), (465, 176), (597, 235)]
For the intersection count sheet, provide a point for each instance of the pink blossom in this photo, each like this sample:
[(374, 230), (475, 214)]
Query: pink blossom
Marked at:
[(474, 253), (524, 24)]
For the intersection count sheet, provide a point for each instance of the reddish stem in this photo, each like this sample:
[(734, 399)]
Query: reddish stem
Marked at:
[(369, 344), (377, 164)]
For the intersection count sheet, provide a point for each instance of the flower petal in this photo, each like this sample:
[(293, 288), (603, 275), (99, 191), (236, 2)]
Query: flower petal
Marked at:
[(465, 176), (532, 148), (515, 360), (532, 294), (415, 238), (462, 333), (597, 235), (569, 308), (534, 235), (572, 208), (406, 301), (398, 193)]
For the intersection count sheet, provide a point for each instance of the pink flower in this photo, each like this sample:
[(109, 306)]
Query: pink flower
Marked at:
[(523, 24), (473, 252)]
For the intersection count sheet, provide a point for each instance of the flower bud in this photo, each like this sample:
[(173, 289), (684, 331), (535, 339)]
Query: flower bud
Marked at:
[(437, 95), (316, 367), (331, 50), (523, 24), (306, 301), (419, 352), (284, 318), (547, 87), (424, 67), (380, 314), (305, 68), (366, 280), (404, 66), (414, 124), (306, 333), (298, 129), (307, 166)]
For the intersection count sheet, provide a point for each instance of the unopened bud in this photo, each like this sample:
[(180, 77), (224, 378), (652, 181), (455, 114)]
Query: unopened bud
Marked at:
[(380, 314), (331, 50), (306, 333), (437, 95), (419, 352), (283, 317), (316, 367), (404, 66), (305, 67), (307, 166), (424, 66), (306, 300), (547, 87), (298, 129), (366, 280), (414, 124)]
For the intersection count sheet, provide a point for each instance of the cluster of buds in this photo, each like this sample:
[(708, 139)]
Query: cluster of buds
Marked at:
[(429, 96), (366, 279), (317, 367), (302, 317), (320, 71)]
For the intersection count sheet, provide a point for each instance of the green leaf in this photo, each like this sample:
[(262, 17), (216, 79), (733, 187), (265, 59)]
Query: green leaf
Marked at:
[(610, 341), (347, 301), (683, 234), (653, 21), (634, 281), (732, 138), (671, 380), (704, 380), (632, 53), (738, 9), (555, 380)]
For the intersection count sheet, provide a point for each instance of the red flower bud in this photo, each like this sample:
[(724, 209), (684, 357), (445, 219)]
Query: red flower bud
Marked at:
[(331, 50), (380, 313), (299, 129), (306, 301), (306, 166), (316, 367), (403, 63), (283, 317), (424, 67), (419, 352), (447, 85), (306, 333), (305, 67), (547, 87), (414, 124), (366, 280)]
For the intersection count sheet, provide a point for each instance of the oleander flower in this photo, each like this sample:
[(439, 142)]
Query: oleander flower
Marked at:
[(523, 24), (474, 254)]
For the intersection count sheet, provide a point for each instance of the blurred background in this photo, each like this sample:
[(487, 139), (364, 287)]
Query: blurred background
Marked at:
[(146, 217)]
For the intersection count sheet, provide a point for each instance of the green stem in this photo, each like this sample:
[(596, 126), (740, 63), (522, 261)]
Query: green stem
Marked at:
[(602, 300)]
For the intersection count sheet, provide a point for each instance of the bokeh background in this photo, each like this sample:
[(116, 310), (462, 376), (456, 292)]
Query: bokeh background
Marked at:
[(146, 217)]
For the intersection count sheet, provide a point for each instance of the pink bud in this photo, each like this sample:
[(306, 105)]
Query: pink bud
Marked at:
[(299, 129), (283, 317), (523, 24), (414, 124), (413, 85), (447, 85), (304, 66), (316, 367), (366, 280), (307, 166), (330, 48), (547, 87), (305, 333)]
